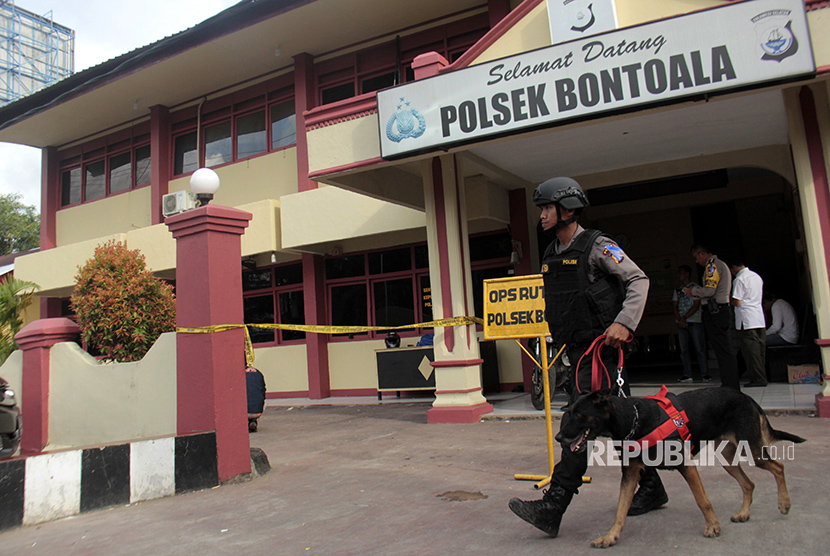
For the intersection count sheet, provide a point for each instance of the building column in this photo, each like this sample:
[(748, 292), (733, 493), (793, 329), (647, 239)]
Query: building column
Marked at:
[(159, 160), (211, 390), (458, 392), (36, 340), (808, 110)]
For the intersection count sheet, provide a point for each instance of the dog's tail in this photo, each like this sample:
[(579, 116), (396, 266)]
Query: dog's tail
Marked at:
[(775, 435)]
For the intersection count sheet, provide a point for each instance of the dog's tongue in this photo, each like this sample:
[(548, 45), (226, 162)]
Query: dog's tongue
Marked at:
[(577, 444)]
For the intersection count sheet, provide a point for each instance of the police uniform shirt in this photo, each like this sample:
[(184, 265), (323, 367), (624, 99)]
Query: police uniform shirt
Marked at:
[(717, 282), (606, 257)]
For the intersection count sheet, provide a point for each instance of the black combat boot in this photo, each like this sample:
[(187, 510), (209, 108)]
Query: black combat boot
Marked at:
[(651, 494), (544, 514)]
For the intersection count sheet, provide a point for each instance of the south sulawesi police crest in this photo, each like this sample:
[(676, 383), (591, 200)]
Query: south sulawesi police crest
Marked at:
[(776, 40), (405, 123)]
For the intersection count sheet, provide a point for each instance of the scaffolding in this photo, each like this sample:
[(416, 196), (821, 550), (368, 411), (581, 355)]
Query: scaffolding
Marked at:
[(34, 51)]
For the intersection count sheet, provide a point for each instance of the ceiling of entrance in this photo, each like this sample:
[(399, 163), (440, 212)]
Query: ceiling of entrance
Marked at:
[(670, 133)]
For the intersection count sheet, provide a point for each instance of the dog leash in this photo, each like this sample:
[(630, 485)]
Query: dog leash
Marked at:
[(598, 367)]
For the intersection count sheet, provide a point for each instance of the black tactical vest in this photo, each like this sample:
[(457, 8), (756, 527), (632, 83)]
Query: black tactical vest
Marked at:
[(576, 309)]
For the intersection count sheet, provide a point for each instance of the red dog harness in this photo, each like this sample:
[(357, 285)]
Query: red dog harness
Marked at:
[(676, 422)]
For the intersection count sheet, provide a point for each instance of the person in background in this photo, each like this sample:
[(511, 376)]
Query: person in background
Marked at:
[(784, 328), (718, 321), (255, 383), (689, 328), (747, 291)]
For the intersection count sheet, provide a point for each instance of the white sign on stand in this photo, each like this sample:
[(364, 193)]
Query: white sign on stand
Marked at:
[(575, 19)]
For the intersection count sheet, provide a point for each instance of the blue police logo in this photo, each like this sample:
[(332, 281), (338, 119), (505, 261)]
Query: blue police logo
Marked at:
[(776, 39), (405, 123)]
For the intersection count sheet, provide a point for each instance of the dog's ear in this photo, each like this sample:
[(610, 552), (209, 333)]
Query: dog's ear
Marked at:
[(602, 397)]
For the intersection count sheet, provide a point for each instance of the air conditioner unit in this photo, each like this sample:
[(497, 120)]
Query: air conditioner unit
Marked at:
[(180, 201)]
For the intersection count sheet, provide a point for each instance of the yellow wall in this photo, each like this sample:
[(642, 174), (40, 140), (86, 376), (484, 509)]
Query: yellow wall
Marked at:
[(263, 177), (331, 214), (353, 364), (92, 403), (285, 368), (343, 143), (104, 217), (819, 22)]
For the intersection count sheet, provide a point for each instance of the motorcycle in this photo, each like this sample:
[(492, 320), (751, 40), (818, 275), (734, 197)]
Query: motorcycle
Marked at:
[(559, 373), (9, 420)]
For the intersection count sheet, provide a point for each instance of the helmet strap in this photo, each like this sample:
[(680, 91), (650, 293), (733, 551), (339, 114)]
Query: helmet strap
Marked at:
[(562, 223)]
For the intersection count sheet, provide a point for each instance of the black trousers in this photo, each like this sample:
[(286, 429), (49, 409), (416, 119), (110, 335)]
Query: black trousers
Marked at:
[(719, 324), (570, 467)]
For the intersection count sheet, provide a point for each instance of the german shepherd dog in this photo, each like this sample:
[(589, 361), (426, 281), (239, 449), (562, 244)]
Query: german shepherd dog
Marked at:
[(714, 414)]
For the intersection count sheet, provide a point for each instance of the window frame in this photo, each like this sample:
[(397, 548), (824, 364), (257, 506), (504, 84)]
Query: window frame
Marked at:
[(274, 291), (96, 152)]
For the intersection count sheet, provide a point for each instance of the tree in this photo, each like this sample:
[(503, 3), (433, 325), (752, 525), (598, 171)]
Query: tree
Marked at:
[(19, 224), (121, 307), (15, 296)]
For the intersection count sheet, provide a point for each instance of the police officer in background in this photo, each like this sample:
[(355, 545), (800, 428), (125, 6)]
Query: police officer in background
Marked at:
[(718, 318), (591, 288)]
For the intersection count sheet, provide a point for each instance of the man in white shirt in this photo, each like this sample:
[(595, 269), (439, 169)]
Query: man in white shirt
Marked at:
[(747, 293), (784, 328)]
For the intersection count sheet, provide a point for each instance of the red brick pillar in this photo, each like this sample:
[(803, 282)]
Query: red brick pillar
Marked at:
[(35, 340), (211, 367)]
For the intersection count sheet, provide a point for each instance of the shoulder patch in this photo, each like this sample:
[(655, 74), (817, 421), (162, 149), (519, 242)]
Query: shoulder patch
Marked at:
[(611, 250)]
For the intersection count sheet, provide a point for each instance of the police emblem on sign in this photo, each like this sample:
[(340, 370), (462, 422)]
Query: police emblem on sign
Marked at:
[(405, 123), (776, 40)]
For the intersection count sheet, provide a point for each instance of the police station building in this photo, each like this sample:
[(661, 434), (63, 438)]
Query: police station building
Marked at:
[(388, 152)]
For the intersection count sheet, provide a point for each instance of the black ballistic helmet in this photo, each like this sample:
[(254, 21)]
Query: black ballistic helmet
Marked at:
[(564, 191)]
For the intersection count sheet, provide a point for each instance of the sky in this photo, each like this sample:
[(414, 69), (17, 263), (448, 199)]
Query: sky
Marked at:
[(103, 29)]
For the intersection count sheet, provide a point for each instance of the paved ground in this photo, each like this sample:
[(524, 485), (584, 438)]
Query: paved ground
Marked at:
[(376, 479)]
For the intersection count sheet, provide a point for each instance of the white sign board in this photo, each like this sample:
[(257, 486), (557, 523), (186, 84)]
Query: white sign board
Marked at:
[(575, 19), (733, 46)]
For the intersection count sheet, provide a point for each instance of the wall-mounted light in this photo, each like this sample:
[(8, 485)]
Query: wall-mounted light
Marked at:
[(204, 183)]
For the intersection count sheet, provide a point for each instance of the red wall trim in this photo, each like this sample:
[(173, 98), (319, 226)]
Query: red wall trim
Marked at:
[(815, 150), (50, 188), (284, 395), (443, 246), (345, 167), (457, 363), (160, 156), (823, 342), (341, 111), (303, 101)]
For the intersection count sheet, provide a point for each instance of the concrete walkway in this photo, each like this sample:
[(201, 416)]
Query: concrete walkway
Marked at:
[(375, 479)]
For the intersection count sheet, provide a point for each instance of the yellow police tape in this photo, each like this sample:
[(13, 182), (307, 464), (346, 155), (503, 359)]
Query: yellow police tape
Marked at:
[(321, 329)]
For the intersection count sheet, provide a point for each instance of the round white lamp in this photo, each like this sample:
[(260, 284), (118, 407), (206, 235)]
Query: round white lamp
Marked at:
[(204, 183)]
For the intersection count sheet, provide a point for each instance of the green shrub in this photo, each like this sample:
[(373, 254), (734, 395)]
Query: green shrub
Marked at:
[(121, 307)]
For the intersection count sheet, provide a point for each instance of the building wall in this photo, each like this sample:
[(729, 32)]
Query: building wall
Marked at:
[(112, 215)]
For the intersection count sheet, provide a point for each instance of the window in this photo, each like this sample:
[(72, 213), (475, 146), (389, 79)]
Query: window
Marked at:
[(104, 167), (274, 295), (375, 289), (186, 157), (234, 127), (251, 136), (120, 172), (392, 287), (390, 63), (143, 166), (71, 187), (283, 124), (218, 143)]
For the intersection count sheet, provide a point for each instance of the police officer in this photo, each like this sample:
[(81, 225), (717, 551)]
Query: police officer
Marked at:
[(591, 288), (718, 318)]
